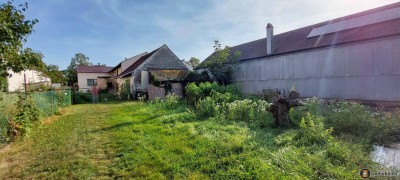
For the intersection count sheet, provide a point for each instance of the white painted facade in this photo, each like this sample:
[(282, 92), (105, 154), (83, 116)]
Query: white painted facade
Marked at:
[(16, 81)]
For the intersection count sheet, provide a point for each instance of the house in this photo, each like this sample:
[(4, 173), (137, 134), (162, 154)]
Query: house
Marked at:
[(121, 67), (351, 57), (32, 78), (89, 76), (161, 59), (134, 73)]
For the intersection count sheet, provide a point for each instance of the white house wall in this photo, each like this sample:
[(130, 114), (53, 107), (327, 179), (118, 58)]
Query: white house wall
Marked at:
[(16, 81), (368, 71)]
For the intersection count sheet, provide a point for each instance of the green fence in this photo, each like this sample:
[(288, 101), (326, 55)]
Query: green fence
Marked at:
[(47, 102)]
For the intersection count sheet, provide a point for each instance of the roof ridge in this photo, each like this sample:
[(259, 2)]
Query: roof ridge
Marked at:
[(347, 17)]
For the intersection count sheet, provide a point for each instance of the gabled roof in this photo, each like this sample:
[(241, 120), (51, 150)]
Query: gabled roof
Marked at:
[(163, 58), (296, 40), (93, 69), (131, 58), (137, 63)]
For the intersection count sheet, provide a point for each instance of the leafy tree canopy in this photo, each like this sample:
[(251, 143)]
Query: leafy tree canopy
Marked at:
[(194, 62), (78, 60), (54, 73), (222, 64), (14, 30)]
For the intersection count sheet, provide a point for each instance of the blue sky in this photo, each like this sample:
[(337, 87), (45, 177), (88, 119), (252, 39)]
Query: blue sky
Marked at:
[(107, 31)]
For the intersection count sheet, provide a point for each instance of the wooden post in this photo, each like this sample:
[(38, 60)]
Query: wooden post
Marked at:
[(26, 90)]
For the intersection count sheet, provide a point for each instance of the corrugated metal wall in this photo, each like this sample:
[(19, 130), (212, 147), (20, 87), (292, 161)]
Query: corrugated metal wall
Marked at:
[(367, 71)]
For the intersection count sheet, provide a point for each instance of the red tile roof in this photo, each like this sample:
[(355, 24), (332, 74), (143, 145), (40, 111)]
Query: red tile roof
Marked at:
[(93, 69), (296, 40)]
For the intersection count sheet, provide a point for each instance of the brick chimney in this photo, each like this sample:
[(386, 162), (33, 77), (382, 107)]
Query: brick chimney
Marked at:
[(270, 37)]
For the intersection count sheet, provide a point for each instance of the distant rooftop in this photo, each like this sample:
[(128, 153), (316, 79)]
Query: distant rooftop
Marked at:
[(93, 69)]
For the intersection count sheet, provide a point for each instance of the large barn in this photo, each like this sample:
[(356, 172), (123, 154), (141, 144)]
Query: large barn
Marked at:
[(352, 57)]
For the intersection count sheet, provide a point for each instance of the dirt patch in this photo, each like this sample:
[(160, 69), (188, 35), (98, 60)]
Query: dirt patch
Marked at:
[(51, 119)]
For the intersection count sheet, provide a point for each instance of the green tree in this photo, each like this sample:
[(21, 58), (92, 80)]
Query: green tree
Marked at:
[(14, 30), (222, 64), (54, 73), (78, 60), (194, 62)]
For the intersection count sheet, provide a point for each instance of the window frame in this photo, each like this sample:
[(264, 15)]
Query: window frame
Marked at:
[(91, 82)]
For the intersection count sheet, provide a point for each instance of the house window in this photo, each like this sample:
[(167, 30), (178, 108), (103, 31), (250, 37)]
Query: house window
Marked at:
[(92, 82)]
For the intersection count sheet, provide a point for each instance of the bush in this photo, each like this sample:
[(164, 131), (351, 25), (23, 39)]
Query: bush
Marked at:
[(207, 87), (313, 106), (358, 123), (26, 116), (254, 112), (352, 122), (193, 93), (206, 107), (312, 132), (82, 98), (194, 77), (215, 104)]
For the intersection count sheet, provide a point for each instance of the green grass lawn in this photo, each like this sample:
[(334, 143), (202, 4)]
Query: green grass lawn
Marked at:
[(138, 140)]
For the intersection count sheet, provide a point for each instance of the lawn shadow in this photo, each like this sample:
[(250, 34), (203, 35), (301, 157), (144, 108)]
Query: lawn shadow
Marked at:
[(117, 126)]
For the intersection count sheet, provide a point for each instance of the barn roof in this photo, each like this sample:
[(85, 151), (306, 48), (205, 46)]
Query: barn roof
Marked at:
[(297, 40), (163, 59)]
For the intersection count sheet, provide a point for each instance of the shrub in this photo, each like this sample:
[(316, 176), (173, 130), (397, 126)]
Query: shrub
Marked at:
[(205, 107), (254, 112), (313, 106), (26, 116), (351, 119), (194, 77), (215, 104), (82, 98), (312, 132), (207, 87), (193, 93), (171, 101)]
